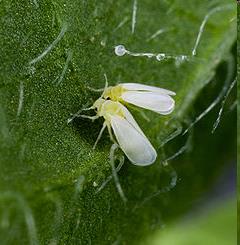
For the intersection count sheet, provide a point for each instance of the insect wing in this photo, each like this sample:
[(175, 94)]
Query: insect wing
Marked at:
[(130, 118), (142, 87), (134, 144), (160, 103)]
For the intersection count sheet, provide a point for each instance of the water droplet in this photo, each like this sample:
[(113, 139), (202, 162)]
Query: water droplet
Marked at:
[(183, 57), (103, 43), (120, 50), (95, 184), (180, 59), (160, 57)]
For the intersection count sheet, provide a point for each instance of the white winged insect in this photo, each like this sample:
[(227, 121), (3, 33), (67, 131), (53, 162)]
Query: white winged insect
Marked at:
[(152, 98), (128, 134)]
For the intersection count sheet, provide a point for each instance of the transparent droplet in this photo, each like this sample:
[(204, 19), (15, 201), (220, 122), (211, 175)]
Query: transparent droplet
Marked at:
[(183, 57), (180, 59), (95, 184), (160, 57), (103, 43), (120, 50)]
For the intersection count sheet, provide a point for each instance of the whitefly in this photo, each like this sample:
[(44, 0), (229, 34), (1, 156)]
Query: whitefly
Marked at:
[(122, 127), (128, 135), (152, 98)]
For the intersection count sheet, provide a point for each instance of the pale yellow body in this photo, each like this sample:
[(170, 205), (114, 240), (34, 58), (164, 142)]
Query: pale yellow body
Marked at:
[(114, 93), (108, 108)]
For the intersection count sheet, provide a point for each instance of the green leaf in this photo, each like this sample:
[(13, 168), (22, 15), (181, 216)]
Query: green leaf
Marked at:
[(204, 229), (51, 52)]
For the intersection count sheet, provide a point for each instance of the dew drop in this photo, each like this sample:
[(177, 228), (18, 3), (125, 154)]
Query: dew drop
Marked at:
[(120, 50), (180, 59), (103, 43), (160, 57), (95, 184)]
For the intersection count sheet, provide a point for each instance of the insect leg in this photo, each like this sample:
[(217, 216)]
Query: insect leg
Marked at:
[(89, 117), (99, 135), (110, 133), (96, 89), (78, 114)]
